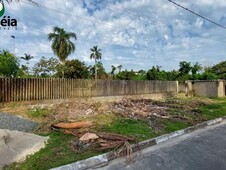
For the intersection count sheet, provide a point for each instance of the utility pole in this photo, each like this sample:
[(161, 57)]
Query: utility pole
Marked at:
[(14, 43)]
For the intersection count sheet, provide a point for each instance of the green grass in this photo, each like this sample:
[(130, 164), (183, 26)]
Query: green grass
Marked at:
[(171, 126), (130, 127), (215, 110), (38, 112)]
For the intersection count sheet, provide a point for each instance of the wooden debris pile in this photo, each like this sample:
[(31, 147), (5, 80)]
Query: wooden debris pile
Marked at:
[(103, 141), (139, 108)]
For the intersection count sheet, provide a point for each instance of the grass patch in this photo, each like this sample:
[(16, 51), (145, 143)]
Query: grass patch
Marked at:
[(130, 127), (171, 126), (38, 112), (215, 110)]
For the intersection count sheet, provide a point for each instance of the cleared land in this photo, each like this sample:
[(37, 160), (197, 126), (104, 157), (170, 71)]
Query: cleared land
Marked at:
[(137, 118)]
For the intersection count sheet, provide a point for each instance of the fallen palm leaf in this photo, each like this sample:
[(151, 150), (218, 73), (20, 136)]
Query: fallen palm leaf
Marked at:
[(111, 145), (125, 149), (114, 137)]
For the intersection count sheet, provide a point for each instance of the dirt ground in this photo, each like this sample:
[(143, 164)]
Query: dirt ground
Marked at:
[(46, 114)]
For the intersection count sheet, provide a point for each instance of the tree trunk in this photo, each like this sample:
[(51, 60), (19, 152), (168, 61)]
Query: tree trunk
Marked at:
[(63, 66), (95, 69)]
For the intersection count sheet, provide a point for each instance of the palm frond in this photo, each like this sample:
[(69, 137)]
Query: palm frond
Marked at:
[(9, 1), (61, 44)]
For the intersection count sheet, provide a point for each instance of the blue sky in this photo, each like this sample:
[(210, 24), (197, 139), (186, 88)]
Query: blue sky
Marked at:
[(152, 32)]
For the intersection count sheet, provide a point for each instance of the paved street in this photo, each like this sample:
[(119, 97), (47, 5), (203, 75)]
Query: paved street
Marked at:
[(204, 149)]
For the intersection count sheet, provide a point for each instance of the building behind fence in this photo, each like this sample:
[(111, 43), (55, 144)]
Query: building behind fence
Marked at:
[(22, 89)]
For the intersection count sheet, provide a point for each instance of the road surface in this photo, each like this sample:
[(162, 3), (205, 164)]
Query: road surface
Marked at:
[(203, 149)]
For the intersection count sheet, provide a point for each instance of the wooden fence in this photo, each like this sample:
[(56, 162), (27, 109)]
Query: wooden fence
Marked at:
[(21, 89)]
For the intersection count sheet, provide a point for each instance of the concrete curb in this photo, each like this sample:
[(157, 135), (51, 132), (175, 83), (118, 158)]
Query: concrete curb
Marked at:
[(101, 160)]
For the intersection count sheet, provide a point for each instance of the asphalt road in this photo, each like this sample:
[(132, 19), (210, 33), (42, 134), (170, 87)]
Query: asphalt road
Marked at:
[(13, 122), (204, 149)]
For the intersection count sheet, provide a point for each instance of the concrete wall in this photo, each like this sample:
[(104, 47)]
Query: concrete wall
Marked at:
[(181, 87), (206, 88)]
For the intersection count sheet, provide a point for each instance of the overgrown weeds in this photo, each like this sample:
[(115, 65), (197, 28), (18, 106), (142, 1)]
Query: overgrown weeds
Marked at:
[(38, 112)]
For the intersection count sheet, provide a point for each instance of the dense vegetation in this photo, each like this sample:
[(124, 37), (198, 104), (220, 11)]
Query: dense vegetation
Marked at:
[(51, 67)]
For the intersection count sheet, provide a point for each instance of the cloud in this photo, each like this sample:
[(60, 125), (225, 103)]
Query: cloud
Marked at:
[(151, 33)]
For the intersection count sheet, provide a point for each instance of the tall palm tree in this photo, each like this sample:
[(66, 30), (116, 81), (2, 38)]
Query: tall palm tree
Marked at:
[(113, 68), (27, 58), (62, 46), (96, 55), (119, 68), (9, 1)]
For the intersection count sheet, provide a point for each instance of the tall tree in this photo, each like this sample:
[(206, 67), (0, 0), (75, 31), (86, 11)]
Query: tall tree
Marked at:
[(101, 71), (155, 73), (45, 67), (185, 68), (96, 55), (113, 68), (220, 69), (62, 46), (27, 58), (196, 68), (119, 68), (74, 69), (9, 64)]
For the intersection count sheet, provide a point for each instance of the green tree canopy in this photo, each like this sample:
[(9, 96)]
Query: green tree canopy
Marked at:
[(185, 68), (155, 73), (113, 69), (126, 75), (62, 46), (219, 70), (101, 71), (196, 68), (73, 69), (45, 67), (9, 64)]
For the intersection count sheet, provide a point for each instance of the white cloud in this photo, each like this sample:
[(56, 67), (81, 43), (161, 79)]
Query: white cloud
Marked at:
[(158, 33)]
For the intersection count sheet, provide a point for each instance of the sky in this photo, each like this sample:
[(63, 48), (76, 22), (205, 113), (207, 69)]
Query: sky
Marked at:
[(136, 34)]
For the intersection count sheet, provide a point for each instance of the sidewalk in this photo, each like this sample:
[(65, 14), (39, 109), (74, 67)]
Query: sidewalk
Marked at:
[(15, 144)]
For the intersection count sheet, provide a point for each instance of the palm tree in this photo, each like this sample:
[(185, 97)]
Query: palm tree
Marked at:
[(196, 68), (62, 46), (8, 1), (113, 68), (119, 68), (96, 55), (27, 58)]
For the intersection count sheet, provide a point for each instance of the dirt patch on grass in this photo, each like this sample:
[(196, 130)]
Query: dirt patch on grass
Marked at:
[(105, 113)]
